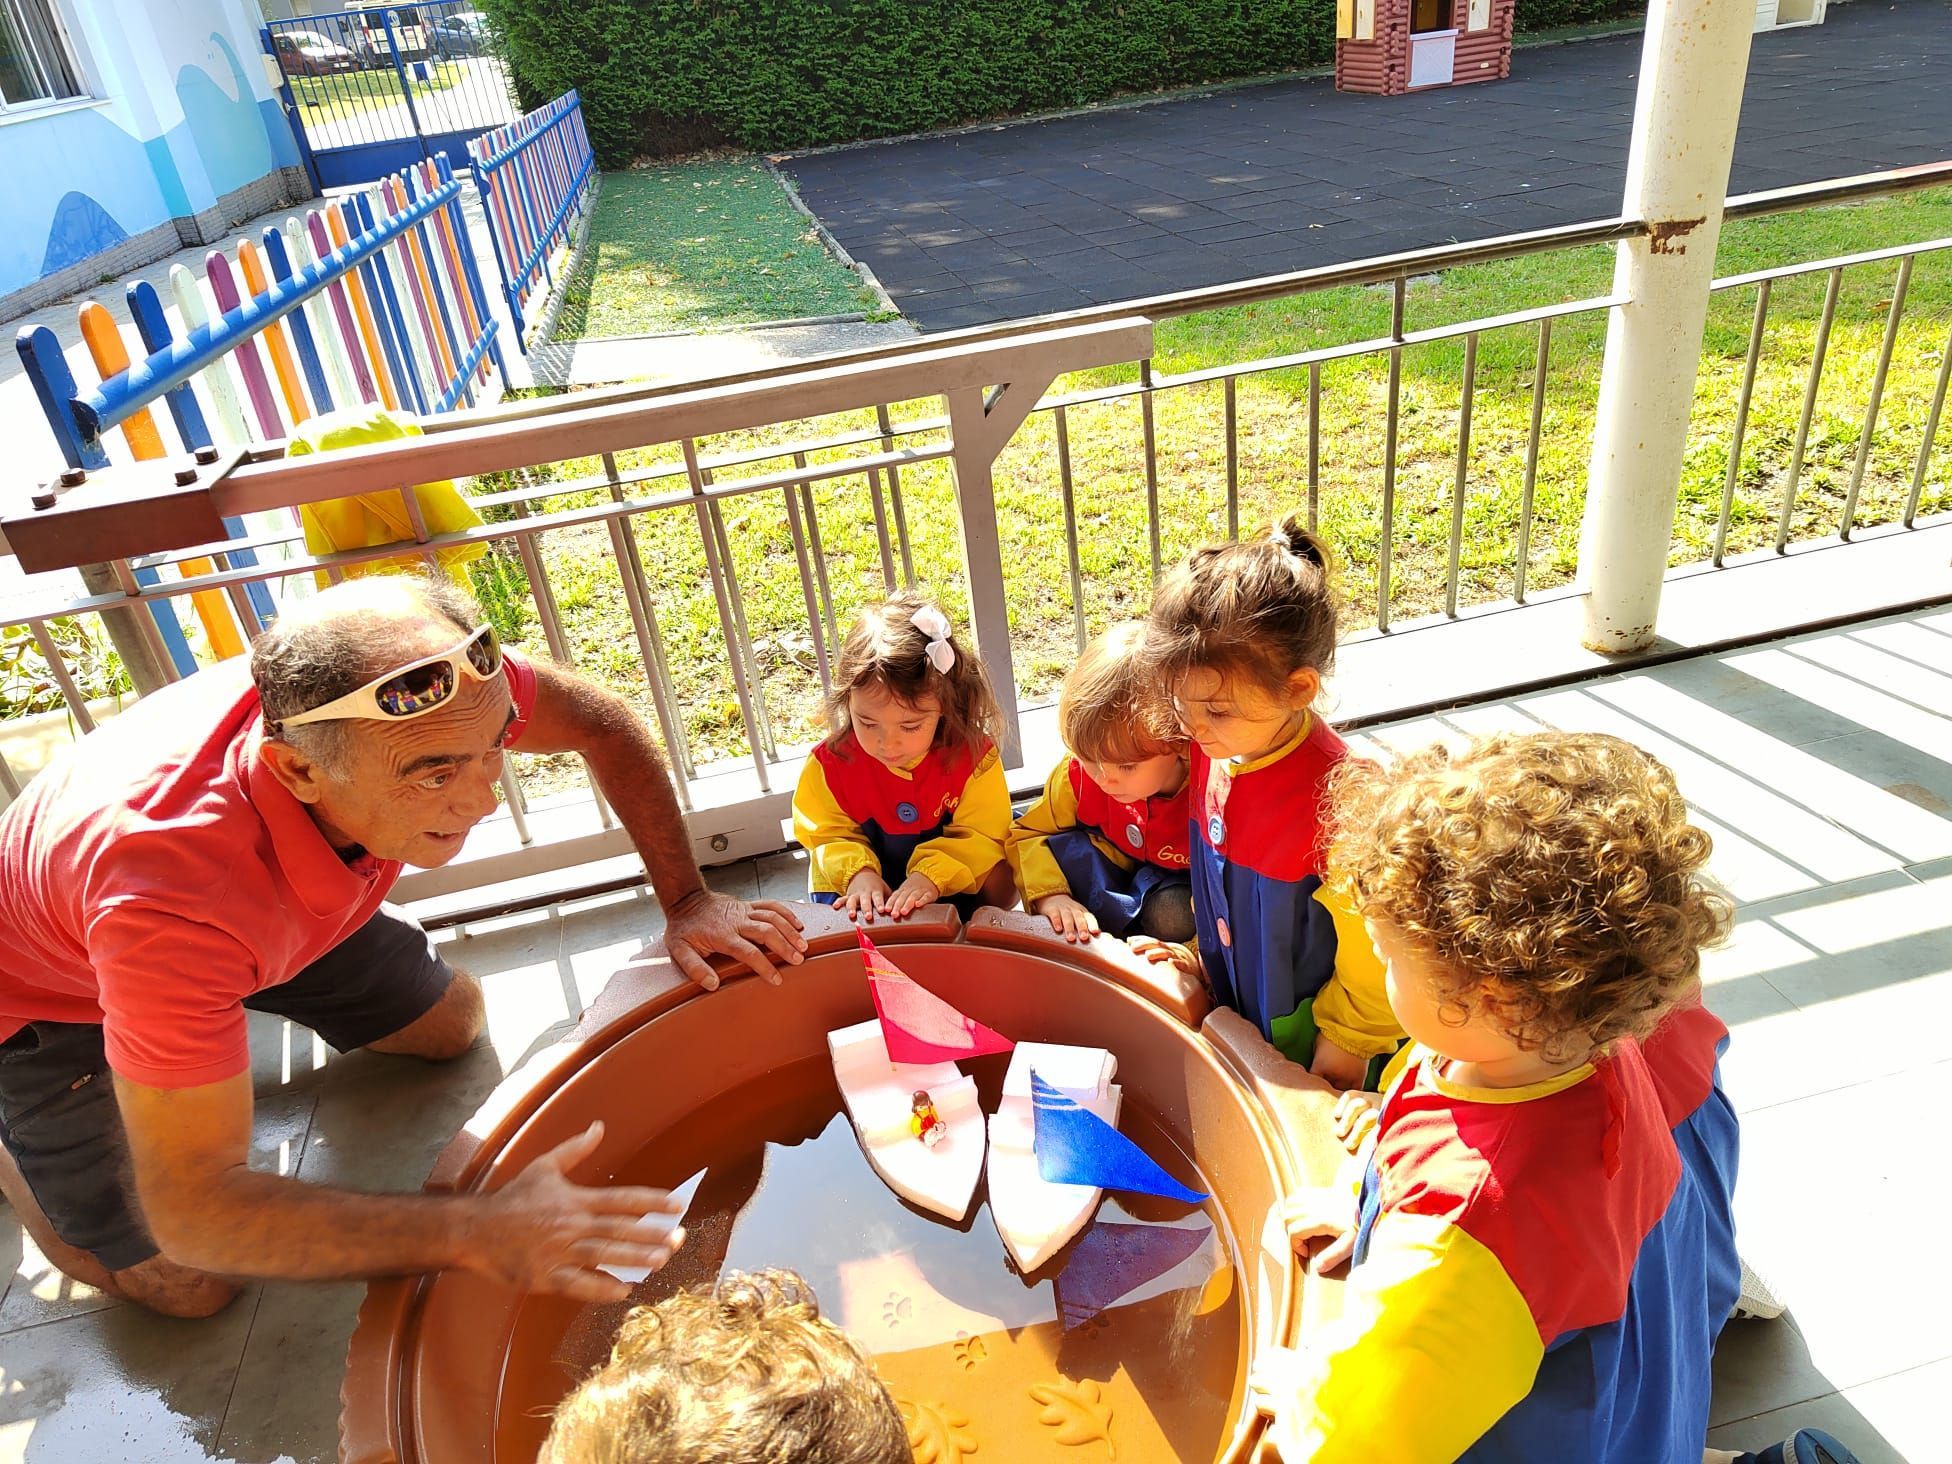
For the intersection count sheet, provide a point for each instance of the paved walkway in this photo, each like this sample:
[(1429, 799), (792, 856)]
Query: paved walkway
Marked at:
[(1823, 766), (1121, 203)]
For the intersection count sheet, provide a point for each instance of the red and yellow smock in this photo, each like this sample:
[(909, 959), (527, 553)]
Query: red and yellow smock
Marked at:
[(1540, 1272), (1106, 854), (1274, 945), (945, 818)]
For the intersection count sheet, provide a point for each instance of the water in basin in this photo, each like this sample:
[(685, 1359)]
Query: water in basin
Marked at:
[(975, 1354)]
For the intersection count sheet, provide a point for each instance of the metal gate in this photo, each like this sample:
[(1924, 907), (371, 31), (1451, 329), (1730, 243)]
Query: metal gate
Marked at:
[(370, 89)]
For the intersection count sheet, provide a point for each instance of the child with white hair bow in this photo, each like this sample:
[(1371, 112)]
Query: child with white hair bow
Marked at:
[(904, 804)]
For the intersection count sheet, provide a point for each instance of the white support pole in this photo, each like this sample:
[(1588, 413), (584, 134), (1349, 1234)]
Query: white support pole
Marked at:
[(1693, 65)]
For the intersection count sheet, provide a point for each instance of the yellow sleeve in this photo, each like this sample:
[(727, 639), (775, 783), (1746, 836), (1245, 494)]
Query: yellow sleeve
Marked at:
[(1434, 1345), (956, 860), (1027, 842), (836, 848), (1352, 1008)]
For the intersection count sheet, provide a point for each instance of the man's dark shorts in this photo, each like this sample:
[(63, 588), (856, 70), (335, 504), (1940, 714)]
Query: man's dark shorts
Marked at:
[(58, 1115)]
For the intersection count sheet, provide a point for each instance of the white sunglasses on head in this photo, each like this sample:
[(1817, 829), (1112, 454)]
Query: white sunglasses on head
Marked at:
[(415, 689)]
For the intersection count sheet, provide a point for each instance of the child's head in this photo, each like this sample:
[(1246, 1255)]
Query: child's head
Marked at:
[(904, 684), (1535, 892), (1240, 636), (747, 1374), (1110, 719)]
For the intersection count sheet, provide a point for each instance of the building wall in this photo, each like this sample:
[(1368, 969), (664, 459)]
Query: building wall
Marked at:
[(182, 138)]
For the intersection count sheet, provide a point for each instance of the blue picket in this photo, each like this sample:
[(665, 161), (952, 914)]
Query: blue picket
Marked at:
[(279, 258), (395, 318)]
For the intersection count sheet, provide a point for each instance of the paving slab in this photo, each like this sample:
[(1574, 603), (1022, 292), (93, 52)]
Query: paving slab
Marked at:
[(1864, 91)]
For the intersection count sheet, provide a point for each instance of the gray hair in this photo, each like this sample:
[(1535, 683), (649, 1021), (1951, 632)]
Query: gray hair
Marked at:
[(327, 648)]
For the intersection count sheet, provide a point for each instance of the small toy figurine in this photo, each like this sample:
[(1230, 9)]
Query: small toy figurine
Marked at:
[(925, 1123)]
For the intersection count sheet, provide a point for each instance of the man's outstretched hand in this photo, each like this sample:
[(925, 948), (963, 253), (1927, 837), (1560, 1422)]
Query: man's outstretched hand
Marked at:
[(544, 1232), (757, 933)]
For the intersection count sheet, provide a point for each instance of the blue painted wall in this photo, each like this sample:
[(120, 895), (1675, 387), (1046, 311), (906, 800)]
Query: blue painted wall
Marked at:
[(181, 114)]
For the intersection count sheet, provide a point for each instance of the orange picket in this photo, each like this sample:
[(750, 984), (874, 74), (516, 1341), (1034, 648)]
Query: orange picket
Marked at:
[(363, 312), (111, 357)]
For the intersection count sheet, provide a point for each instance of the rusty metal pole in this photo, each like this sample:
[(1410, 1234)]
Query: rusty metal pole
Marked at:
[(1693, 65)]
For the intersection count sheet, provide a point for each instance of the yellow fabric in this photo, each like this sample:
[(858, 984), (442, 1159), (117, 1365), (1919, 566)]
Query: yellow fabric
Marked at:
[(371, 519), (957, 860), (836, 848), (1434, 1345), (1254, 765), (1393, 1069), (1352, 1008), (1027, 843), (1544, 1088)]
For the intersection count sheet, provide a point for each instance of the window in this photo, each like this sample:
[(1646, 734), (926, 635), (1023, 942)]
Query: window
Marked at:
[(36, 66)]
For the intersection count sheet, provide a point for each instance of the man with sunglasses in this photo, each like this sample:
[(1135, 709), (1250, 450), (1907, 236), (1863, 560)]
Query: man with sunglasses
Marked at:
[(227, 844)]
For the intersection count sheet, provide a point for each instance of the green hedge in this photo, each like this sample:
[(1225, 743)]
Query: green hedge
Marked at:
[(663, 76)]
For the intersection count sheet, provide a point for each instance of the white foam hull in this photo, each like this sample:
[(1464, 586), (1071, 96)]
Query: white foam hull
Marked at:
[(879, 1093), (1036, 1218)]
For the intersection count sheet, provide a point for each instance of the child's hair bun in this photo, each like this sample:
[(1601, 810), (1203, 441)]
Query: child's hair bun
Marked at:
[(1301, 541)]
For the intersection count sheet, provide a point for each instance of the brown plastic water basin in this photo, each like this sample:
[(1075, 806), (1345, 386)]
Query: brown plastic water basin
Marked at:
[(736, 1082)]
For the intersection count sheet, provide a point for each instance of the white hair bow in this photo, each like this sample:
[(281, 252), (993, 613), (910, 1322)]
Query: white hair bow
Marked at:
[(935, 625)]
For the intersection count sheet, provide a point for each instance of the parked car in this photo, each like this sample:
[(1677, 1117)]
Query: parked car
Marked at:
[(464, 33), (369, 34), (303, 53)]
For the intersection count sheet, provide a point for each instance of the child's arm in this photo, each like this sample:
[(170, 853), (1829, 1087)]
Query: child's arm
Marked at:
[(835, 845), (1352, 1011), (958, 858), (1045, 890), (1434, 1345)]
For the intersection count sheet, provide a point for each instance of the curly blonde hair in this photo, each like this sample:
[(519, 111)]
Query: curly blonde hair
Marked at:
[(748, 1373), (1553, 876), (1106, 710)]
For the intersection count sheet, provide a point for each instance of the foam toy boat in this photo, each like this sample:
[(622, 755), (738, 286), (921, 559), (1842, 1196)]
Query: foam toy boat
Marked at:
[(880, 1095), (1036, 1217), (1055, 1149), (915, 1111)]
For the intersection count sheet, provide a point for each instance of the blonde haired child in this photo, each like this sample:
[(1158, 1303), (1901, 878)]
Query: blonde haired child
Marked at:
[(1239, 638), (747, 1373), (1543, 1242), (904, 803), (1105, 847)]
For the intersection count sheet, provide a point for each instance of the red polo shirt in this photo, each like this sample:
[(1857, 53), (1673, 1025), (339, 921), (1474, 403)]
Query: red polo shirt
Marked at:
[(156, 874)]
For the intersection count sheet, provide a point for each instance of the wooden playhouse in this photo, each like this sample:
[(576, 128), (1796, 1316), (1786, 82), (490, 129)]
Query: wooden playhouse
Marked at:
[(1393, 46)]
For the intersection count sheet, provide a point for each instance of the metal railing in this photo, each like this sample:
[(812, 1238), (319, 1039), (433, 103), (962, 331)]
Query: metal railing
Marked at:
[(737, 522)]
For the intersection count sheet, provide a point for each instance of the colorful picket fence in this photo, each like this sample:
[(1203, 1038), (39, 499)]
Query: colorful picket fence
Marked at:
[(372, 298), (534, 176)]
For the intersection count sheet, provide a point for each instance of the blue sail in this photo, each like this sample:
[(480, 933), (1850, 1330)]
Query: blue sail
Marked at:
[(1075, 1146), (1114, 1260)]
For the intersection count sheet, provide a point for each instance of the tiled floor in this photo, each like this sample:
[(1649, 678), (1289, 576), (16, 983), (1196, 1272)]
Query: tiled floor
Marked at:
[(1824, 766)]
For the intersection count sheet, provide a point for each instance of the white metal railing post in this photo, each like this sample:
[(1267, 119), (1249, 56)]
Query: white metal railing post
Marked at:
[(1693, 65)]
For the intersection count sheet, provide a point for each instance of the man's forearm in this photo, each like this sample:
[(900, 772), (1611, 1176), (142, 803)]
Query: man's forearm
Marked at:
[(250, 1224), (631, 773)]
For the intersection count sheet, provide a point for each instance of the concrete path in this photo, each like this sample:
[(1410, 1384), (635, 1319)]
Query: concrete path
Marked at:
[(1820, 763), (1116, 204)]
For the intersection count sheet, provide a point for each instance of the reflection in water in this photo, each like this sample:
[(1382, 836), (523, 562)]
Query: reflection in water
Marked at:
[(976, 1354)]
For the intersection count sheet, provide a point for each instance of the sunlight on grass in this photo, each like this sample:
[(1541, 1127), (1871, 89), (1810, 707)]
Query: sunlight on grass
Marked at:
[(1108, 467), (701, 246)]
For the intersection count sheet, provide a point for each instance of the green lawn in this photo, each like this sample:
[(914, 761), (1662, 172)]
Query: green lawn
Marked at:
[(701, 246), (345, 94), (1107, 454)]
